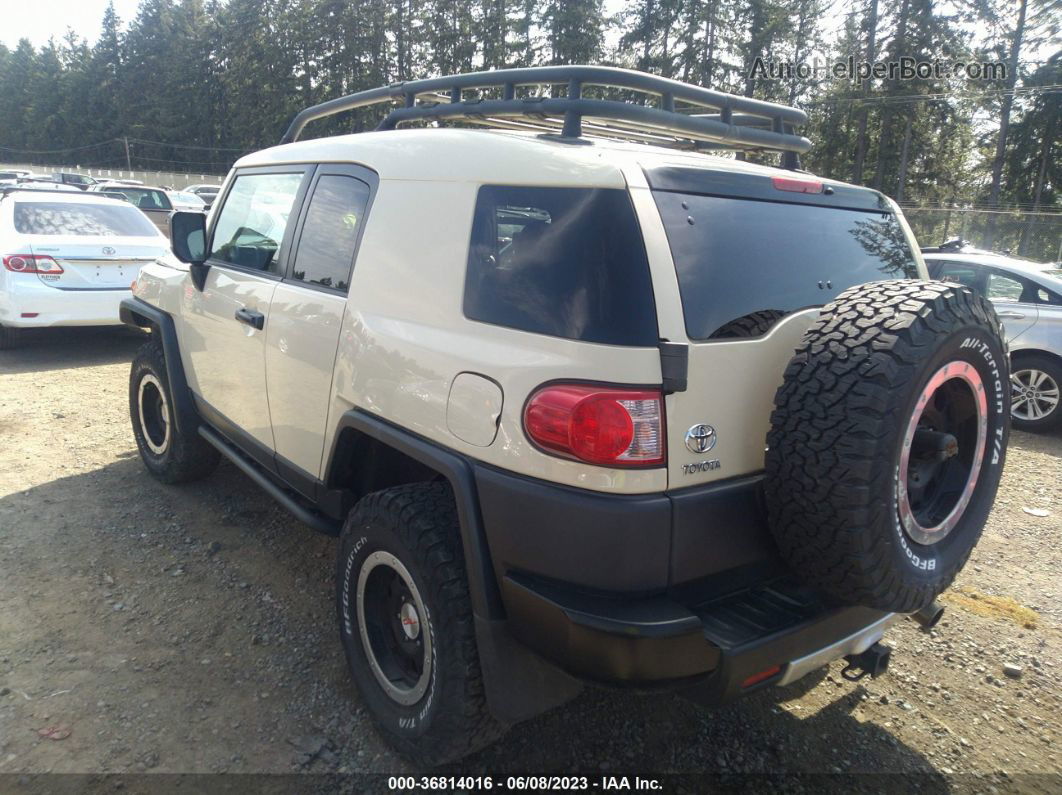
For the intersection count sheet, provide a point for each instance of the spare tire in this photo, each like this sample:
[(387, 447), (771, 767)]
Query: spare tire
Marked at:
[(887, 442)]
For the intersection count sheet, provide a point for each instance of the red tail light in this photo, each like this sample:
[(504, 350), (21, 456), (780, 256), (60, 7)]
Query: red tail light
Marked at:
[(762, 676), (797, 185), (611, 426), (29, 263)]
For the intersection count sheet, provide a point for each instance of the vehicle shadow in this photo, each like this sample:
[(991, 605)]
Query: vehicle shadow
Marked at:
[(219, 598), (65, 348), (760, 740)]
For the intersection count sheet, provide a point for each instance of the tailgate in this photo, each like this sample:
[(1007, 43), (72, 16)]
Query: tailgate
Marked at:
[(730, 389), (756, 256)]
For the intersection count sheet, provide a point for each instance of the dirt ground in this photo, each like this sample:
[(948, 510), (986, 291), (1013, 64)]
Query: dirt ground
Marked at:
[(191, 629)]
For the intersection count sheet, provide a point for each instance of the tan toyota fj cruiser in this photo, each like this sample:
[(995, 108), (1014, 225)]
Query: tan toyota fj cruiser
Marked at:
[(583, 402)]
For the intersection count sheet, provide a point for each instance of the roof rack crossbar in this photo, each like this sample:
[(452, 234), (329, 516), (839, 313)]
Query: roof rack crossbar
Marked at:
[(734, 121)]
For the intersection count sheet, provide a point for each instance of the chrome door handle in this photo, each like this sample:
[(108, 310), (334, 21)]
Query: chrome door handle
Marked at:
[(251, 318), (1011, 315)]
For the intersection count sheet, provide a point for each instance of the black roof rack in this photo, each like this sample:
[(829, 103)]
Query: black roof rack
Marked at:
[(678, 117)]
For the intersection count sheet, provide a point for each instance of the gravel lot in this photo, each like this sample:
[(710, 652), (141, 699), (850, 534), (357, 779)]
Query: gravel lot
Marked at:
[(191, 629)]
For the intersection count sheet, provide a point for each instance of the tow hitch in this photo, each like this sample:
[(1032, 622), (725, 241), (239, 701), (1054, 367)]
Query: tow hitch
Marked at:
[(873, 662)]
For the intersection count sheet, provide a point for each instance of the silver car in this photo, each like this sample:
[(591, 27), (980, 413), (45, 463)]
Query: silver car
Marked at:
[(1028, 299)]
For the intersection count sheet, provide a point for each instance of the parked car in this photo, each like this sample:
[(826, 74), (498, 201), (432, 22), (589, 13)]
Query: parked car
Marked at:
[(1028, 299), (552, 406), (153, 202), (184, 201), (73, 180), (69, 258), (41, 183), (208, 193), (12, 176)]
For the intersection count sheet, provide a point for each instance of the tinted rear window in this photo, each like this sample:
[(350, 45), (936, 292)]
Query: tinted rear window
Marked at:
[(69, 218), (567, 262), (743, 264), (144, 198)]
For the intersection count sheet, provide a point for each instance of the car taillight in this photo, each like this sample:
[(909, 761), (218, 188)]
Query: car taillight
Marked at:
[(29, 263), (797, 185), (611, 426)]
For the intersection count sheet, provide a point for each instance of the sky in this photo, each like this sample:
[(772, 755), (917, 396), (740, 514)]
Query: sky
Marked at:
[(38, 20)]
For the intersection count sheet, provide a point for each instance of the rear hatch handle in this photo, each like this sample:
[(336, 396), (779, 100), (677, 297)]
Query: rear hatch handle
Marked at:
[(674, 366)]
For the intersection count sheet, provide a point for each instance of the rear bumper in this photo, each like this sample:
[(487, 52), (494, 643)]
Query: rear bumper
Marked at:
[(711, 649), (50, 306), (681, 590)]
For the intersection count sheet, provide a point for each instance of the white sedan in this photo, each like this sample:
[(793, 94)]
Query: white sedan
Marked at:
[(69, 258)]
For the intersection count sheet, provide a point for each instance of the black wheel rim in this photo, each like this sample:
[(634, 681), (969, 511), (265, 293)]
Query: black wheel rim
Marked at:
[(154, 414), (943, 448), (395, 630)]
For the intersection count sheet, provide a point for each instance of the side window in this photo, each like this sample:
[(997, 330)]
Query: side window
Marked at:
[(567, 262), (1045, 296), (1004, 288), (250, 228), (960, 274), (330, 232)]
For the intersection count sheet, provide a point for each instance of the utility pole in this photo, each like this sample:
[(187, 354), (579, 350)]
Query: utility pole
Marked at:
[(128, 160)]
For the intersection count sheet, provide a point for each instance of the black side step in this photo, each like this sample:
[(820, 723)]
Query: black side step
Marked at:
[(751, 615), (317, 521)]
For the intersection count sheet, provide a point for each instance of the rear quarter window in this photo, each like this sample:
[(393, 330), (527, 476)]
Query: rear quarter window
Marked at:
[(567, 262), (61, 218), (744, 264)]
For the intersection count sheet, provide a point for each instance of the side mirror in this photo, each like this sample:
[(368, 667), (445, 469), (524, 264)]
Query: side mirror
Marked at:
[(188, 240), (188, 237)]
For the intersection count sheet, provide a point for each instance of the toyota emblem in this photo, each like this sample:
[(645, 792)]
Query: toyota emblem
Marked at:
[(700, 438), (108, 251)]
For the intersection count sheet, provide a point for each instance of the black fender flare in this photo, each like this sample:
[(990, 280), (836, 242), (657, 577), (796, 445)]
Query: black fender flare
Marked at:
[(483, 588), (140, 314), (519, 684)]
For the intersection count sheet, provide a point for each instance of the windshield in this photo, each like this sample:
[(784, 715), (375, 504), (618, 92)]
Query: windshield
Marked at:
[(744, 264), (70, 218), (144, 198)]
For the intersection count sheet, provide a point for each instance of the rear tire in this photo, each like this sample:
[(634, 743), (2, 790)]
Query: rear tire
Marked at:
[(406, 623), (170, 454), (9, 337), (887, 442), (1035, 383)]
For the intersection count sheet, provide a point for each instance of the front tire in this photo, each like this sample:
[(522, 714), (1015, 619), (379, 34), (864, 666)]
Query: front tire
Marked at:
[(1036, 397), (170, 454), (406, 623)]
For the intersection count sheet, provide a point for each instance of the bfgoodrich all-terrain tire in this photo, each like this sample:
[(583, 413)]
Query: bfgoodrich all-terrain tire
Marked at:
[(887, 442), (405, 620), (170, 454)]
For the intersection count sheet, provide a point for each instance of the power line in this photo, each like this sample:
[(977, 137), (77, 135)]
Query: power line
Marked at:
[(1026, 91), (57, 151), (109, 141), (241, 149)]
